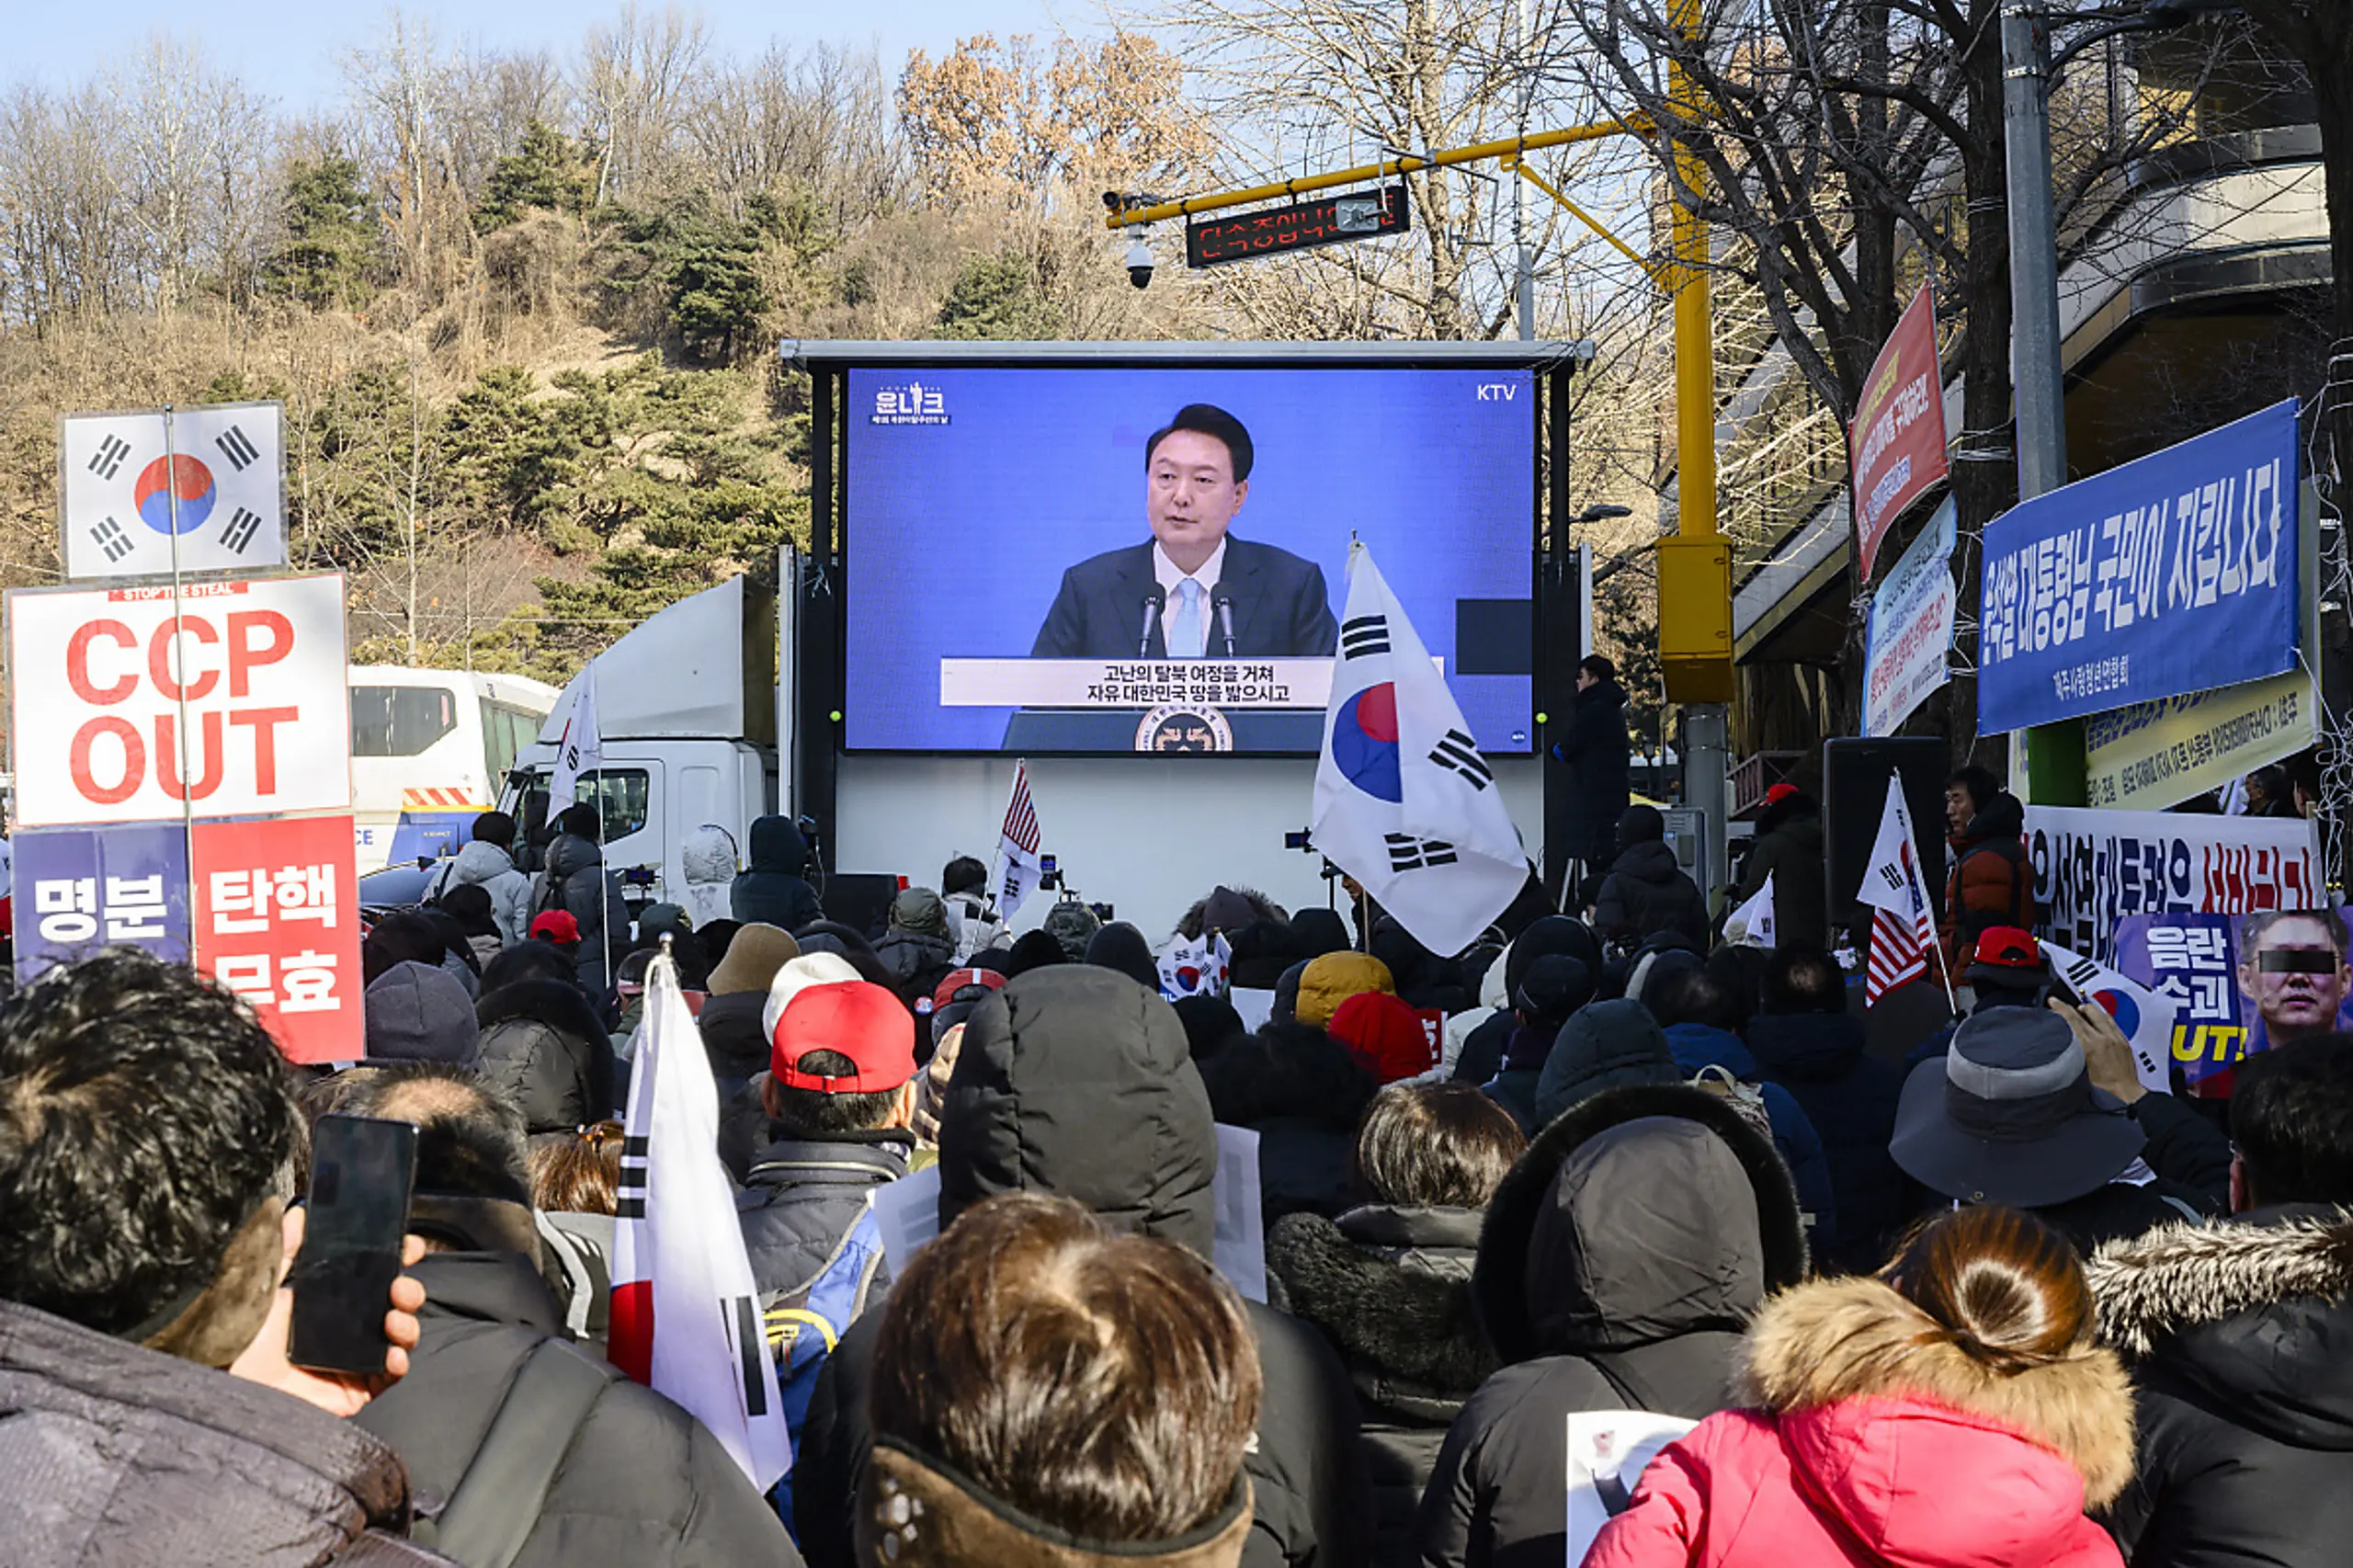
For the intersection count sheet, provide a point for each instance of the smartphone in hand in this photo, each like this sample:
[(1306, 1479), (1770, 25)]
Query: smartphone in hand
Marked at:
[(356, 1213)]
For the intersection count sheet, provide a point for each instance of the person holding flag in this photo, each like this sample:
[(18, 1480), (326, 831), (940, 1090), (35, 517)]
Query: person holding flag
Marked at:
[(1904, 923), (1017, 865), (1753, 924), (580, 750), (686, 1309), (1404, 804)]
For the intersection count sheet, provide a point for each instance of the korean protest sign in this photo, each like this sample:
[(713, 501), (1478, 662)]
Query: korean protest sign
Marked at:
[(2178, 572), (1911, 629), (2093, 869), (277, 921), (2241, 982), (1898, 436), (79, 889)]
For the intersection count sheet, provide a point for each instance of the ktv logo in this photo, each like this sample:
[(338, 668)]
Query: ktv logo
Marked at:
[(913, 404), (1498, 391)]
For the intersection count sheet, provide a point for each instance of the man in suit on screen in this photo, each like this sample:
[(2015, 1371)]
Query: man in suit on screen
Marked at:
[(1195, 591)]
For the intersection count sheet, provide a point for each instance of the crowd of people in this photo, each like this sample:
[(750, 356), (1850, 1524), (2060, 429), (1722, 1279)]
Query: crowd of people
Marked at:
[(1978, 1298)]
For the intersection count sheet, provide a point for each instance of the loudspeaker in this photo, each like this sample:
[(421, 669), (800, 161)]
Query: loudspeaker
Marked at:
[(861, 900), (1854, 794)]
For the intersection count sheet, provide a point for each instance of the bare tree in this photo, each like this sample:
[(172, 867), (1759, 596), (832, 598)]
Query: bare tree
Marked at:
[(634, 78)]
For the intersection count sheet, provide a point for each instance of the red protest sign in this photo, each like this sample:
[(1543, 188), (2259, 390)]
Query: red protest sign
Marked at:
[(1898, 436), (278, 922)]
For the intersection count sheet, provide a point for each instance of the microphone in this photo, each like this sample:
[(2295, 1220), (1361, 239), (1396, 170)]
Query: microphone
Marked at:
[(1156, 599), (1221, 600)]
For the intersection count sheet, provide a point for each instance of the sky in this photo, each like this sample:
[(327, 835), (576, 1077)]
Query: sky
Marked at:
[(292, 50)]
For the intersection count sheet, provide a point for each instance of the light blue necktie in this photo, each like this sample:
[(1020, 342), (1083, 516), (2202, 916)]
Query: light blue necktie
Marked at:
[(1185, 641)]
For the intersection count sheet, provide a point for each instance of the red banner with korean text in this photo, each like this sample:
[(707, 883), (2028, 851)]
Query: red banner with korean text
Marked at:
[(1898, 437), (277, 921)]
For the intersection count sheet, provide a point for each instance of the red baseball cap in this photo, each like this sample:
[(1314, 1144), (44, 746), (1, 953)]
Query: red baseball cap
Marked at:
[(1384, 1035), (1779, 792), (855, 1017), (556, 926), (2006, 946), (959, 980)]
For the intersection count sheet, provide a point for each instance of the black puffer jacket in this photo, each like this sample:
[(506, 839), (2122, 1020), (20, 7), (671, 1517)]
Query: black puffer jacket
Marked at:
[(642, 1481), (120, 1455), (1605, 1045), (1303, 1094), (1390, 1287), (1788, 849), (575, 881), (1647, 892), (1850, 1098), (2240, 1339), (543, 1044), (773, 890), (1076, 1081), (1617, 1268)]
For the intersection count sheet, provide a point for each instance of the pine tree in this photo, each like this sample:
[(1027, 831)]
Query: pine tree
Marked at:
[(997, 297), (331, 240), (546, 172)]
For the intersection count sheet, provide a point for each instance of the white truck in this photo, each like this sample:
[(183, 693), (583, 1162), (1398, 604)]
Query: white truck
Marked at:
[(686, 708)]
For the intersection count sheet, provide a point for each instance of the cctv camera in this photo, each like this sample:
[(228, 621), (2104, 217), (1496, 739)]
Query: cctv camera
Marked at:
[(1139, 263)]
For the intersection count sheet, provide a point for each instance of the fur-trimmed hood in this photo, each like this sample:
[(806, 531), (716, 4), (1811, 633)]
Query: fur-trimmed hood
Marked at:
[(1287, 1069), (2254, 1313), (1835, 1342), (559, 1006), (1720, 1274), (1391, 1287)]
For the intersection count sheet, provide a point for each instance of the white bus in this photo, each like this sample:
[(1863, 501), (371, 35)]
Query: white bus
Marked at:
[(429, 750)]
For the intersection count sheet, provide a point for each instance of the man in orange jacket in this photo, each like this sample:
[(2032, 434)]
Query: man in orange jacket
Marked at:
[(1990, 883)]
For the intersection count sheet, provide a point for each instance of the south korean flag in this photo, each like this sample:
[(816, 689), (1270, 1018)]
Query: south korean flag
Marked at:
[(1403, 802), (126, 494)]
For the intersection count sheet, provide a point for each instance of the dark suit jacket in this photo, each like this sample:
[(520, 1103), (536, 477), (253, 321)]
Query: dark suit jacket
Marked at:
[(1281, 607)]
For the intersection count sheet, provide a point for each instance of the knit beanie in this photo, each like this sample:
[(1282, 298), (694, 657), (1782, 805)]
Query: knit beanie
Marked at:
[(418, 1012)]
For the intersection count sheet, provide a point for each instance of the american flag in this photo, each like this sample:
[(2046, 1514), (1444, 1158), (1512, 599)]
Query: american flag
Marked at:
[(1904, 927), (1017, 846)]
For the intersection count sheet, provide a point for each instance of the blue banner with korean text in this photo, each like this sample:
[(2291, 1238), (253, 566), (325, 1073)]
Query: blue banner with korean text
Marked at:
[(82, 889), (2173, 573)]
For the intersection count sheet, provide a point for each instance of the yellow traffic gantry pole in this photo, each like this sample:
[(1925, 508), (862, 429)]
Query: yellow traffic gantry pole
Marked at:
[(1695, 565)]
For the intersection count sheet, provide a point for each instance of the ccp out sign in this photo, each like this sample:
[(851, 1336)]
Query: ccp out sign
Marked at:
[(100, 679)]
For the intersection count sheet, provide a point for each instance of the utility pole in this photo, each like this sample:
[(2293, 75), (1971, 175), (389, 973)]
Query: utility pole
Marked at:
[(2034, 248), (1526, 276), (2053, 755)]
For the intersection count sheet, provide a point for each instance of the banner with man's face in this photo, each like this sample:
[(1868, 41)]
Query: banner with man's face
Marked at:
[(2243, 982)]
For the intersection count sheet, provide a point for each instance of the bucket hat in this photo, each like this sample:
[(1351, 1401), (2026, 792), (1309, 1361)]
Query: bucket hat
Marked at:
[(2009, 1115)]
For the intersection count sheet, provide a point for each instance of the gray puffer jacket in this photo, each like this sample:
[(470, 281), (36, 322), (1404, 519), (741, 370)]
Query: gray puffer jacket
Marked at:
[(120, 1457), (489, 868), (576, 882)]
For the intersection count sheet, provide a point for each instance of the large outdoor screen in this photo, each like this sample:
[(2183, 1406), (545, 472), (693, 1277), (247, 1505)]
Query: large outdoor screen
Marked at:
[(1048, 559)]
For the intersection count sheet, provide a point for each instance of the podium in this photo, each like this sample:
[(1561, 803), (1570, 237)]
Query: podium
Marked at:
[(1272, 706), (1116, 729)]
